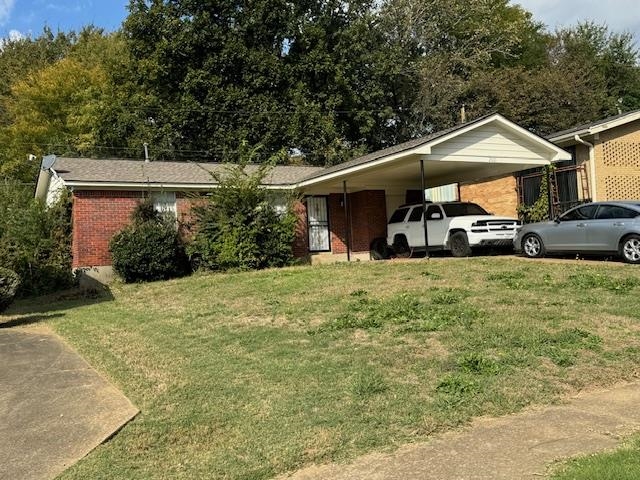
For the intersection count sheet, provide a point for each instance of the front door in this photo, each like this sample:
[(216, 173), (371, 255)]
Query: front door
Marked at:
[(318, 224)]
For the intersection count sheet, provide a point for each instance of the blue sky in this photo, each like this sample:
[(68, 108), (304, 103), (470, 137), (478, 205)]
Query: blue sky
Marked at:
[(620, 15), (30, 16)]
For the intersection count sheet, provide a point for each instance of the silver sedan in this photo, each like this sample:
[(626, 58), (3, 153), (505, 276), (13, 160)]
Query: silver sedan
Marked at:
[(601, 227)]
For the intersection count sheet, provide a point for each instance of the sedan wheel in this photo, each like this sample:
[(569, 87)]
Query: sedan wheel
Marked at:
[(532, 246), (631, 249)]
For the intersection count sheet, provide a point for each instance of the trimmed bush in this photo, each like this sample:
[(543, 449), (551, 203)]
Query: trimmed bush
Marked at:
[(150, 249), (9, 283)]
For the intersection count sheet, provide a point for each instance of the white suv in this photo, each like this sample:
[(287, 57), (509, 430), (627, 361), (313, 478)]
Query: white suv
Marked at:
[(454, 226)]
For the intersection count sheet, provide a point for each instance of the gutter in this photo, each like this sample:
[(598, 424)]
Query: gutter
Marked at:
[(592, 166)]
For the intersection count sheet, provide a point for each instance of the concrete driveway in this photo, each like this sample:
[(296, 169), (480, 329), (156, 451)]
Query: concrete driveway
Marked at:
[(54, 408)]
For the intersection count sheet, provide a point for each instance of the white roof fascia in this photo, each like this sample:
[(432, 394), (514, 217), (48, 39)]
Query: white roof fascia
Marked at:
[(420, 150), (158, 186), (598, 127)]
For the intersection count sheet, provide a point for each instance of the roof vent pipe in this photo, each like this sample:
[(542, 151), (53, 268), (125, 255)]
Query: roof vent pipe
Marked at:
[(146, 152)]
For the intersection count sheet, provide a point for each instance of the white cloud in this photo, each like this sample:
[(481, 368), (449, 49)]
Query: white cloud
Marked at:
[(6, 6), (15, 35)]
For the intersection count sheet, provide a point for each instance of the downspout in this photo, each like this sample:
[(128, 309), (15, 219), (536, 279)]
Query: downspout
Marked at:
[(592, 166)]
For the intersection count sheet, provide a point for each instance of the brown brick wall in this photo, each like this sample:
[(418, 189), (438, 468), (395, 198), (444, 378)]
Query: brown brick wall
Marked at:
[(301, 241), (497, 195), (97, 216), (617, 161), (337, 224), (368, 213)]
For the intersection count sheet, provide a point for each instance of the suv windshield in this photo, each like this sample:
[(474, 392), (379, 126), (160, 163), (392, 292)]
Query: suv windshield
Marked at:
[(463, 209)]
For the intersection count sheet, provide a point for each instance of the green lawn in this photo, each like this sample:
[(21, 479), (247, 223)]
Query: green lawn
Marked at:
[(622, 464), (248, 375)]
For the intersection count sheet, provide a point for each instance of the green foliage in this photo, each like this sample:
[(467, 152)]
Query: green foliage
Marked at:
[(403, 313), (9, 283), (56, 104), (330, 79), (238, 227), (149, 249), (368, 383), (588, 280), (539, 211), (35, 241)]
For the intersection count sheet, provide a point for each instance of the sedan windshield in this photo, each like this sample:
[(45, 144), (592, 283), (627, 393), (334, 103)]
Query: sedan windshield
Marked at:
[(463, 209)]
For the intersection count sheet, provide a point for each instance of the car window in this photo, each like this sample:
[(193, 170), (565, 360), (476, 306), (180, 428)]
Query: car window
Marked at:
[(398, 215), (433, 209), (416, 214), (463, 209), (581, 213), (615, 211)]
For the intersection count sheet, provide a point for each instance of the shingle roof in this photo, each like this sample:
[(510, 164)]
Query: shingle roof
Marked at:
[(590, 125), (139, 172), (401, 147)]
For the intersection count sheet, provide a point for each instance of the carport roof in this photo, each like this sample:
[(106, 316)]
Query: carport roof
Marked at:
[(453, 166), (401, 147)]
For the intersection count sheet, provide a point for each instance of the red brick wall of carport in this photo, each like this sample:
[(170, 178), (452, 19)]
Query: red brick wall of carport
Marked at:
[(368, 211)]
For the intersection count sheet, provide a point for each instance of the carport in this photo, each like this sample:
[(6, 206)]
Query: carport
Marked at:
[(344, 201)]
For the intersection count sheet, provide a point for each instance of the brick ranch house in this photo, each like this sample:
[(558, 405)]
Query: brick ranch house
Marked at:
[(604, 165), (344, 207)]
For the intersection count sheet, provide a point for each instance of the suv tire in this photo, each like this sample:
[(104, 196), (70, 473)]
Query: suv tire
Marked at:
[(379, 249), (459, 245), (401, 247)]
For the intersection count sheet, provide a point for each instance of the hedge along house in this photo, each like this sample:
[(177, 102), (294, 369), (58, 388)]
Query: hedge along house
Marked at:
[(343, 208)]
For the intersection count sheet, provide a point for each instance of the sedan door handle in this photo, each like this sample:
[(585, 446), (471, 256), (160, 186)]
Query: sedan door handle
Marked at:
[(581, 225), (618, 224)]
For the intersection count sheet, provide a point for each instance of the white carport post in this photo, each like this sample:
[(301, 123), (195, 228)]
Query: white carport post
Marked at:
[(424, 209)]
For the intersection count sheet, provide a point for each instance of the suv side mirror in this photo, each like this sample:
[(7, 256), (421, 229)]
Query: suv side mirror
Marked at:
[(435, 216)]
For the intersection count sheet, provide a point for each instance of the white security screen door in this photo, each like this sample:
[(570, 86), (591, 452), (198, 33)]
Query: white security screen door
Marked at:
[(318, 222)]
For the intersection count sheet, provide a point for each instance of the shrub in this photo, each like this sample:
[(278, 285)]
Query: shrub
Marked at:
[(35, 240), (149, 249), (9, 283), (239, 227)]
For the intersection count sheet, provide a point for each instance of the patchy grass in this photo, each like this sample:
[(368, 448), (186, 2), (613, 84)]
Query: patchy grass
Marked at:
[(249, 375), (622, 464)]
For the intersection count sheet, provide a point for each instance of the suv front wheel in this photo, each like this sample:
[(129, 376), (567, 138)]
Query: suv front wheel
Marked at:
[(459, 244), (401, 247)]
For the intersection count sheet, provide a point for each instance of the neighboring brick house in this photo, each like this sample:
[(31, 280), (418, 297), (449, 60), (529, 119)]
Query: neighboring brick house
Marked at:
[(343, 207), (605, 165)]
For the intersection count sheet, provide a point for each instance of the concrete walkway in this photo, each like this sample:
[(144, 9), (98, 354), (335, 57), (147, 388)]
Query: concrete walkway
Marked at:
[(54, 408), (518, 446)]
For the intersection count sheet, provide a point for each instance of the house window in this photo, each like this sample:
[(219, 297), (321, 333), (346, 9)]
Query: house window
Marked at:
[(318, 223), (165, 203)]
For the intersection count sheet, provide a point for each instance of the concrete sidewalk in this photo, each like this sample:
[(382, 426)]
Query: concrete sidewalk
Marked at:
[(520, 446), (54, 408)]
